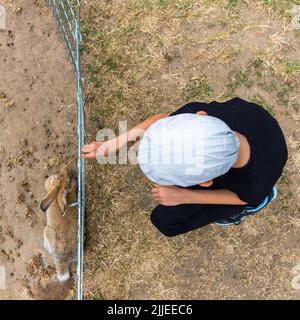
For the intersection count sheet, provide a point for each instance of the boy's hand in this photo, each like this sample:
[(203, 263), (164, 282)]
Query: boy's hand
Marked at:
[(170, 195), (99, 149)]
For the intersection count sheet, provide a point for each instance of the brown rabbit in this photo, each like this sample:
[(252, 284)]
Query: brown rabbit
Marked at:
[(60, 233)]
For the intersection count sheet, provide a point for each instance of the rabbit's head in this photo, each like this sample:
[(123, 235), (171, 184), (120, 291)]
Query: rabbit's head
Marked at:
[(58, 187)]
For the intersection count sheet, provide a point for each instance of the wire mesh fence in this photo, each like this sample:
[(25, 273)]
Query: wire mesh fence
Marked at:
[(66, 14)]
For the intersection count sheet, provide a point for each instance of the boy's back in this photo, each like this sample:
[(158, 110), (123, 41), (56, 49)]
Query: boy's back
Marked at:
[(253, 182)]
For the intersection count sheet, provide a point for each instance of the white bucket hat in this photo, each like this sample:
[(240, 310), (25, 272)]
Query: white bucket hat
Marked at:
[(187, 149)]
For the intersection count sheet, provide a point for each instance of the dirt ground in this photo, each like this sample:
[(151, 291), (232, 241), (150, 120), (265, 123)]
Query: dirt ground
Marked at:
[(150, 56), (37, 123)]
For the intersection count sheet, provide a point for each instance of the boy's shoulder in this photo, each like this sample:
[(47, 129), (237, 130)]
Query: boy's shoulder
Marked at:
[(232, 104)]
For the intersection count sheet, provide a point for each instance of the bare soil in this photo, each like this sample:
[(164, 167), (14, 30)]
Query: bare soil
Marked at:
[(37, 124)]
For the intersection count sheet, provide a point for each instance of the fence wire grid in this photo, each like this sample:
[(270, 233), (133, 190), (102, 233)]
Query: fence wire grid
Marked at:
[(66, 14)]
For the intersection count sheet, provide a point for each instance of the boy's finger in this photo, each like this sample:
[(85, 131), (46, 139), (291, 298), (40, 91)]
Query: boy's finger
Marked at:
[(155, 195), (92, 146), (89, 155), (87, 148), (156, 199)]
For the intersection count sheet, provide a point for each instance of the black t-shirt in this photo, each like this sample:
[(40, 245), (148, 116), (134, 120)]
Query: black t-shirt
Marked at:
[(253, 182)]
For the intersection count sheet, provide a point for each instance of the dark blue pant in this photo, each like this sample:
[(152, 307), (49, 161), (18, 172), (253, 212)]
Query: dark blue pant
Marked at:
[(175, 220)]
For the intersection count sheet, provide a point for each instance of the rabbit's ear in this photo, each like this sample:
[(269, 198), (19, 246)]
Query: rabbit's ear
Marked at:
[(49, 198), (62, 201)]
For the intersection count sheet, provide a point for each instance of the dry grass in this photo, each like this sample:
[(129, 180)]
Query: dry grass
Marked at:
[(145, 57)]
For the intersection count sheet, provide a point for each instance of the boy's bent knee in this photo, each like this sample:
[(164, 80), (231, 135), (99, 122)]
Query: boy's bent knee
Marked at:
[(164, 223)]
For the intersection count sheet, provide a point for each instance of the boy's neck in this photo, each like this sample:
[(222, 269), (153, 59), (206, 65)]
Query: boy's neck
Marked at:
[(244, 153)]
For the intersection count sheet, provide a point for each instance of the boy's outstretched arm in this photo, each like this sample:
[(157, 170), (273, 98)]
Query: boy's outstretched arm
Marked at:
[(109, 147), (172, 196)]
